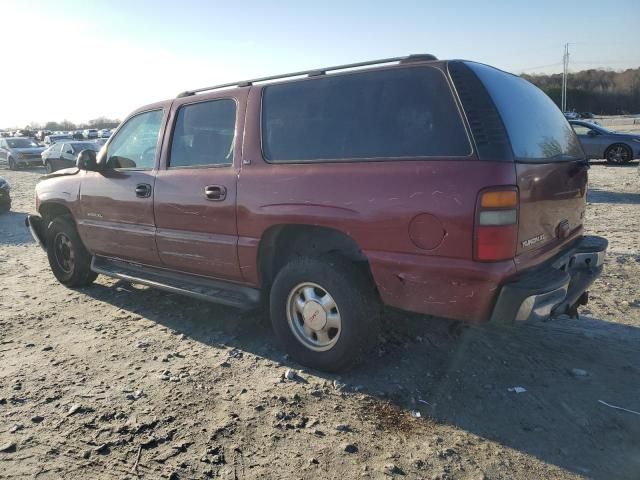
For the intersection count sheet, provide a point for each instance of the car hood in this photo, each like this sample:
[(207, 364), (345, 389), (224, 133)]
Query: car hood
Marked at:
[(61, 173), (29, 150)]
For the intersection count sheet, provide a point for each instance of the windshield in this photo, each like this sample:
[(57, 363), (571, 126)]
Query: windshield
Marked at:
[(596, 127), (22, 143), (537, 129)]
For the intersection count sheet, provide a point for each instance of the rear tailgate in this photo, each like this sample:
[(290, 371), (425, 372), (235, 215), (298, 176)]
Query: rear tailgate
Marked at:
[(552, 206), (550, 165)]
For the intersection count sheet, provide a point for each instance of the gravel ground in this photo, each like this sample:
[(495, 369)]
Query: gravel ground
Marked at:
[(121, 381)]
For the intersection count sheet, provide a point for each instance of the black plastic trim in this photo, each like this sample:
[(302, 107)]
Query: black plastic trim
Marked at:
[(488, 131)]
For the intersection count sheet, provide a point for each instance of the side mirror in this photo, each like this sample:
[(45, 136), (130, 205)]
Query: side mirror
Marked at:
[(87, 161), (592, 133)]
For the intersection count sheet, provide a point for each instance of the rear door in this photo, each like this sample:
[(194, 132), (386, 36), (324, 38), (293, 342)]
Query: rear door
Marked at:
[(195, 195), (116, 203), (551, 167)]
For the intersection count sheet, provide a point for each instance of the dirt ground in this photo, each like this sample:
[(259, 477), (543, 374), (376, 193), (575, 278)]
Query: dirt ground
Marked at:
[(115, 381)]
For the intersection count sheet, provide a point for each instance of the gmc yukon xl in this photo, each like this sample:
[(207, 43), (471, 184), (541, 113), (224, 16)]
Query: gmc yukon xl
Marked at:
[(447, 188)]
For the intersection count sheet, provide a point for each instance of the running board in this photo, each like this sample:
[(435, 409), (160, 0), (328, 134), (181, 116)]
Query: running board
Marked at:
[(202, 288)]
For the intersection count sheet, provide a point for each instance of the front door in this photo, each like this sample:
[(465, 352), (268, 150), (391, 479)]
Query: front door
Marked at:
[(589, 140), (117, 202), (195, 193)]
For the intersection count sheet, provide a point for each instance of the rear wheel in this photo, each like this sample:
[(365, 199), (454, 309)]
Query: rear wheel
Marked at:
[(5, 206), (324, 311), (12, 164), (618, 153), (70, 262), (48, 167)]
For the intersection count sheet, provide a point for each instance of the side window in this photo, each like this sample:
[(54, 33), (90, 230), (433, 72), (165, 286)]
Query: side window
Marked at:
[(57, 148), (580, 129), (135, 144), (395, 113), (204, 134)]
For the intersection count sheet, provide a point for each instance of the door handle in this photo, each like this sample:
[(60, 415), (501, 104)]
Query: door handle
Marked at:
[(217, 193), (143, 190)]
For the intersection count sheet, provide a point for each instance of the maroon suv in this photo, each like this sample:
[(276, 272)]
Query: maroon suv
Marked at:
[(448, 188)]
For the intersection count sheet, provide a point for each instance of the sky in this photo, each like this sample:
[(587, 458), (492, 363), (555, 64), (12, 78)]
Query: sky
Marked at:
[(79, 60)]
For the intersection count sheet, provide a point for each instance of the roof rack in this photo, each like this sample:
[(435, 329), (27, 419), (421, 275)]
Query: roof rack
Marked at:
[(426, 57)]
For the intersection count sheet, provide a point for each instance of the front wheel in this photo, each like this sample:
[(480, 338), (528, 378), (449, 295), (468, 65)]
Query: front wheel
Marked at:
[(70, 262), (324, 311), (48, 167), (618, 153), (12, 164)]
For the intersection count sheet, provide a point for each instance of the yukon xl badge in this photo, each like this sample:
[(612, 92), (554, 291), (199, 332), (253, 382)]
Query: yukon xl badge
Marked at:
[(533, 241)]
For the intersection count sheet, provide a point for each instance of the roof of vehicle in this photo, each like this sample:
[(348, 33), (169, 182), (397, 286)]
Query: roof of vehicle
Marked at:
[(423, 57)]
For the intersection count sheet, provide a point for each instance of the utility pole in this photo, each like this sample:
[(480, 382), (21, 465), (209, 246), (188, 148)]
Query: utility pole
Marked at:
[(565, 71)]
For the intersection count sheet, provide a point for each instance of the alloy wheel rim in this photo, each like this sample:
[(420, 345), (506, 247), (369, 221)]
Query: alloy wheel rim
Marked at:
[(313, 316), (63, 252), (618, 154)]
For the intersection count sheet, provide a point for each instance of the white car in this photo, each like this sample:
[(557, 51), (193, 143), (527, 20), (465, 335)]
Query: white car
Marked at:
[(104, 133), (90, 133)]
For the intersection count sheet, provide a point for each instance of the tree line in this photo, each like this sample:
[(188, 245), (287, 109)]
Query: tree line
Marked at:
[(602, 92), (65, 125)]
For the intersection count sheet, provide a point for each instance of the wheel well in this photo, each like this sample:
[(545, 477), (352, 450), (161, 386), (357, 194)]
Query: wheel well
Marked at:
[(280, 243), (49, 211)]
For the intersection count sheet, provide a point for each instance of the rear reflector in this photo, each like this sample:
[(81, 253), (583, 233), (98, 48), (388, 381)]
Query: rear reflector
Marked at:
[(496, 228), (496, 243)]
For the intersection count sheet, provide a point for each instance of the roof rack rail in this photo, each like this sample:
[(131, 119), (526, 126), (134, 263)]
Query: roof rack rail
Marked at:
[(314, 72)]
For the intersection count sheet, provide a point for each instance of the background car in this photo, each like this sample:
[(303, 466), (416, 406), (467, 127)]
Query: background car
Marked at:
[(51, 139), (5, 196), (104, 133), (598, 142), (571, 115), (21, 151), (64, 154), (90, 133)]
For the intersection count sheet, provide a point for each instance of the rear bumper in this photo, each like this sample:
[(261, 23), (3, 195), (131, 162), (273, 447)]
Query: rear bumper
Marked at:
[(553, 287), (35, 224)]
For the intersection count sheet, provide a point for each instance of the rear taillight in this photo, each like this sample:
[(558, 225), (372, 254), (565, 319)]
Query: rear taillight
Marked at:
[(496, 224)]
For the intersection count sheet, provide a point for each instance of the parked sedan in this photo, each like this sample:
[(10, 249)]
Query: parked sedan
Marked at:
[(5, 197), (104, 133), (598, 142), (64, 154), (20, 151)]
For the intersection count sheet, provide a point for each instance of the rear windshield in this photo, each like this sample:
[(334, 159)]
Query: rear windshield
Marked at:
[(537, 130), (401, 112)]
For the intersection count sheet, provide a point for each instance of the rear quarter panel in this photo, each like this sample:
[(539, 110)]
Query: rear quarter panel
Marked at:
[(375, 204)]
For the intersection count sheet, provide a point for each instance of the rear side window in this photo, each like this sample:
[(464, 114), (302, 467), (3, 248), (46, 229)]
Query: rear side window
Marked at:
[(402, 112), (537, 129), (204, 134)]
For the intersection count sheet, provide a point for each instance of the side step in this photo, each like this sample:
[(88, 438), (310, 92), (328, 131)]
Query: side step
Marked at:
[(202, 288)]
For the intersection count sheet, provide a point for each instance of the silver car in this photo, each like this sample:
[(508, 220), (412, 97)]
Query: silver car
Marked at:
[(598, 142), (20, 152)]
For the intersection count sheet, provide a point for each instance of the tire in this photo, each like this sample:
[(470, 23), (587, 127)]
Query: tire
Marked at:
[(618, 153), (12, 164), (307, 281), (69, 260), (5, 207), (48, 167)]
